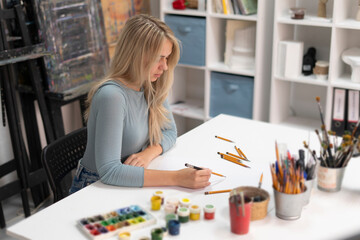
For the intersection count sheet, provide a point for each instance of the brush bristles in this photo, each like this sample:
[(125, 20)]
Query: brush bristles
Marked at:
[(318, 99)]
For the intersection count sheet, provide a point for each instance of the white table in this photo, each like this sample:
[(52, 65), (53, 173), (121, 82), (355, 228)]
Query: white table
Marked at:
[(327, 216)]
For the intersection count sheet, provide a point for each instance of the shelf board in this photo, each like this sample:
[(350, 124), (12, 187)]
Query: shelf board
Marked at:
[(190, 66), (345, 82), (222, 67), (307, 21), (253, 17), (191, 108), (188, 12), (349, 24), (309, 124), (11, 56), (311, 79)]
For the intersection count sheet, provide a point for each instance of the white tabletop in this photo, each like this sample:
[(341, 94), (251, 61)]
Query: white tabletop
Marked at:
[(327, 216)]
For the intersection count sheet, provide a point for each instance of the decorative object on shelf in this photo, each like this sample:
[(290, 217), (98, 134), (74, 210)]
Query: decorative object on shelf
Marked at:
[(247, 7), (358, 12), (297, 13), (192, 4), (309, 60), (351, 56), (179, 4), (240, 44), (290, 55), (322, 8), (321, 69)]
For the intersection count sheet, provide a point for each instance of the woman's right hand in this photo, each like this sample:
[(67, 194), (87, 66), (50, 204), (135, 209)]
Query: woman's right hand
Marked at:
[(191, 178)]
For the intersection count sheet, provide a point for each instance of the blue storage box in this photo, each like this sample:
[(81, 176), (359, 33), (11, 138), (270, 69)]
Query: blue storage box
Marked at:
[(231, 94), (191, 32)]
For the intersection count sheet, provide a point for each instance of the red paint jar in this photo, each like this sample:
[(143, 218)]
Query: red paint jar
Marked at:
[(209, 212), (240, 222)]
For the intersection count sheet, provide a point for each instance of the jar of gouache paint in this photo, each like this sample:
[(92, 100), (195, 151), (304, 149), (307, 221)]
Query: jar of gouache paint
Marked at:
[(157, 234), (195, 212), (174, 202), (174, 227), (183, 214), (155, 203), (209, 212), (185, 202), (161, 195), (169, 217), (124, 236), (170, 208)]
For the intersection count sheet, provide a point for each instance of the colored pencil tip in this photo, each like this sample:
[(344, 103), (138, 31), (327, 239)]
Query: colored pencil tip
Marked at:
[(206, 193)]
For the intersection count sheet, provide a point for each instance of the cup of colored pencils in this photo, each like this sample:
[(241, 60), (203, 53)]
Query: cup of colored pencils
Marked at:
[(289, 186), (334, 155)]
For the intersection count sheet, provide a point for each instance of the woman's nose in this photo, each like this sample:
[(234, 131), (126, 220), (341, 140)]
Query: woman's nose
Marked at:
[(164, 65)]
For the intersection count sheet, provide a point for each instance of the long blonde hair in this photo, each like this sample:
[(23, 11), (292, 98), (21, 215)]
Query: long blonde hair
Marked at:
[(137, 51)]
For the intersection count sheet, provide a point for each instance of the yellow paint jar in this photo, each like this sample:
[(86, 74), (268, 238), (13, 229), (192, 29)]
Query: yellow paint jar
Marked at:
[(124, 236), (195, 212), (160, 194), (185, 202), (155, 203)]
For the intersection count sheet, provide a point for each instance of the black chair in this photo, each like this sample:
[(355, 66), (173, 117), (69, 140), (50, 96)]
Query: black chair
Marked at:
[(60, 158)]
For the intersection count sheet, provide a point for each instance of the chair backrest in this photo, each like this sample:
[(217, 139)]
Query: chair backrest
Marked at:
[(61, 157)]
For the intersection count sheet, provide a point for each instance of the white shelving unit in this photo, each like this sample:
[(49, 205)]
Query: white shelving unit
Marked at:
[(190, 98), (293, 100)]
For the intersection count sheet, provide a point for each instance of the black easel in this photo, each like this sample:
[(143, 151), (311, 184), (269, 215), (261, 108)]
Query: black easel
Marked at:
[(30, 173)]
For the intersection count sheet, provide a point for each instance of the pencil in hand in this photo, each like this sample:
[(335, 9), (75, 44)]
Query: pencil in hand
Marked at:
[(199, 168)]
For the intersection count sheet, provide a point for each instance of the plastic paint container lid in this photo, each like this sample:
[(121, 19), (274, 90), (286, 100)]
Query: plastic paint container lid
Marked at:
[(159, 193), (185, 202), (195, 209), (124, 236), (183, 212), (172, 201), (209, 208), (170, 216)]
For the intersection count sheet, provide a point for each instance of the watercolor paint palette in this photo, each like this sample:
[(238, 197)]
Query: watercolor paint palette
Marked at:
[(125, 219)]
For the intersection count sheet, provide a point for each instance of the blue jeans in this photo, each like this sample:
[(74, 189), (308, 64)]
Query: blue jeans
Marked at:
[(83, 178)]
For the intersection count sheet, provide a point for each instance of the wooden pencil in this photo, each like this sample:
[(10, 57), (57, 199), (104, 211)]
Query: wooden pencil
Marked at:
[(234, 160), (219, 191), (240, 152), (224, 139), (236, 156)]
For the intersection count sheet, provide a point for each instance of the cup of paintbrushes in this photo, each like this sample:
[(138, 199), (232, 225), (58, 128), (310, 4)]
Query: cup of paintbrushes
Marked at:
[(288, 206), (330, 179), (240, 212)]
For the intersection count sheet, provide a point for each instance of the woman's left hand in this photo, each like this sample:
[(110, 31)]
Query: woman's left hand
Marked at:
[(143, 158)]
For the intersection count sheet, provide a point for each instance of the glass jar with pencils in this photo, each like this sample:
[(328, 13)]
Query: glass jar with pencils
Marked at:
[(334, 155)]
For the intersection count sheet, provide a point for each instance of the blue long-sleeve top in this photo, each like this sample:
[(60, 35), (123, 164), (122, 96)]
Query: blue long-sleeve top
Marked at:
[(118, 127)]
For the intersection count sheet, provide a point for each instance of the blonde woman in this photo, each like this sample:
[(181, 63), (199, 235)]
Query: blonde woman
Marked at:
[(128, 119)]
